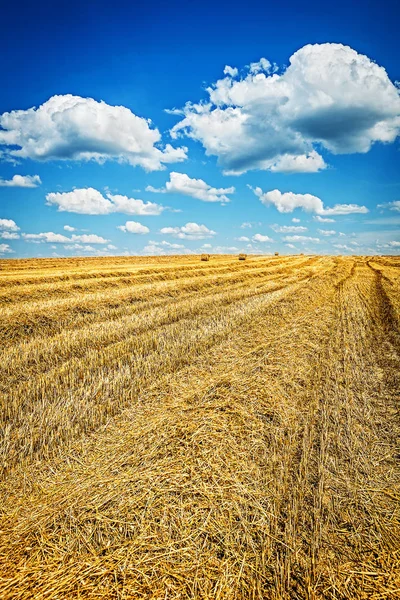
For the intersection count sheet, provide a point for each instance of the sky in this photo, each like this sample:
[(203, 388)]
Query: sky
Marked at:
[(222, 127)]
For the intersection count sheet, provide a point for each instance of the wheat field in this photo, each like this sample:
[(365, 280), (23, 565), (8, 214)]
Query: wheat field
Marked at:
[(178, 429)]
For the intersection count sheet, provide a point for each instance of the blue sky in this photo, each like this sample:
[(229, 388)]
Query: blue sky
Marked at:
[(161, 128)]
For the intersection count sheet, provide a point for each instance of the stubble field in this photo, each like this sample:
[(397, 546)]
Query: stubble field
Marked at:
[(176, 429)]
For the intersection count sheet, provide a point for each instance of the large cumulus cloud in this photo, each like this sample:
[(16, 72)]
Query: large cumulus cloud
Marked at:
[(328, 97), (74, 128)]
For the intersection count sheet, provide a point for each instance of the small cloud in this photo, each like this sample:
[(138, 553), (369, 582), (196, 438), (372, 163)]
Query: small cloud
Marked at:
[(395, 205), (302, 239), (90, 238), (242, 238), (323, 219), (164, 248), (134, 227), (224, 249), (345, 209), (288, 228), (5, 249), (258, 237), (8, 225), (23, 181), (190, 231), (231, 71), (180, 183), (80, 247), (286, 202), (343, 247), (303, 163), (9, 235), (263, 65), (89, 201), (50, 237), (69, 228), (327, 232)]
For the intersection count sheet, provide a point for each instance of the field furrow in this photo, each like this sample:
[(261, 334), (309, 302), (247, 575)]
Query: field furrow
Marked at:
[(81, 394), (49, 317)]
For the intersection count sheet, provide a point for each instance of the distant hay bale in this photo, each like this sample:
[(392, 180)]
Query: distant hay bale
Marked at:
[(242, 256), (276, 253), (205, 257)]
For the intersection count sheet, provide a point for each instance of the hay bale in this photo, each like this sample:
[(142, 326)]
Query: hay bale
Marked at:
[(242, 256), (205, 257), (276, 253)]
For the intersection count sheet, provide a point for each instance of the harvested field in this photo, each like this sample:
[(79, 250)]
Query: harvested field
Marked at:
[(175, 428)]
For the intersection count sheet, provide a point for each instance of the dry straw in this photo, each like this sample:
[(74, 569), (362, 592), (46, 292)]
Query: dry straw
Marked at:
[(228, 432)]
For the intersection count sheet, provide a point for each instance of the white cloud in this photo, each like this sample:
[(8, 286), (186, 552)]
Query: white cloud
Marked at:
[(345, 209), (243, 238), (343, 247), (303, 163), (134, 227), (258, 237), (395, 205), (301, 238), (291, 246), (262, 65), (89, 201), (5, 249), (231, 71), (286, 202), (164, 248), (323, 219), (190, 231), (246, 225), (57, 238), (288, 228), (80, 247), (74, 128), (224, 249), (327, 232), (180, 183), (294, 220), (69, 228), (9, 235), (329, 96), (111, 247), (167, 244), (90, 238), (24, 181), (206, 246), (8, 225)]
